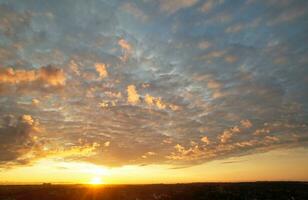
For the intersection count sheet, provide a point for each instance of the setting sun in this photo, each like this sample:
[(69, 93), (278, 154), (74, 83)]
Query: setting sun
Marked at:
[(96, 181)]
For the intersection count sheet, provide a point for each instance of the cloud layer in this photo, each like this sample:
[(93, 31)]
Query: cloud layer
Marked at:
[(143, 82)]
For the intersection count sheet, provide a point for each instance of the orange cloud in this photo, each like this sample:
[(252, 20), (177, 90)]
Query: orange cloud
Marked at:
[(212, 84), (11, 76), (246, 123), (231, 59), (27, 119), (49, 75), (205, 139), (225, 136), (126, 47), (261, 131)]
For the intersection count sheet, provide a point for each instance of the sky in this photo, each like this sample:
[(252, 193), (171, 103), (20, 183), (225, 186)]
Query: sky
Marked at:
[(153, 91)]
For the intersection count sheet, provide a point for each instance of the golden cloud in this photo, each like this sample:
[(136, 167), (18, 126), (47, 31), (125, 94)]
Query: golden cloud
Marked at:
[(35, 102), (150, 100), (101, 69), (160, 104), (132, 95)]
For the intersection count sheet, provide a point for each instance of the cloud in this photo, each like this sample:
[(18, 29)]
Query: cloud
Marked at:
[(205, 139), (171, 6), (74, 67), (132, 95), (231, 58), (261, 131), (47, 75), (17, 139), (148, 154), (246, 123), (126, 47), (287, 16), (35, 102), (186, 154), (11, 76), (212, 84), (104, 104), (214, 54), (101, 70), (150, 100), (210, 4), (27, 119), (75, 152), (160, 104), (135, 11), (226, 135), (107, 144), (234, 28), (204, 45), (271, 139), (12, 22), (52, 76)]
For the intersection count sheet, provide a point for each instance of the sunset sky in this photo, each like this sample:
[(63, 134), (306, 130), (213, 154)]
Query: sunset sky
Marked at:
[(153, 91)]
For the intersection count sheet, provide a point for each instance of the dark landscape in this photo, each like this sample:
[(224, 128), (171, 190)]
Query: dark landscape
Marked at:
[(195, 191)]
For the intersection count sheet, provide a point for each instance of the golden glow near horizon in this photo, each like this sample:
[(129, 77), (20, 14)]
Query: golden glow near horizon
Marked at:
[(274, 165)]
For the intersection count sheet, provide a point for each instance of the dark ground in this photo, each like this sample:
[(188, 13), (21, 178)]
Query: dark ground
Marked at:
[(196, 191)]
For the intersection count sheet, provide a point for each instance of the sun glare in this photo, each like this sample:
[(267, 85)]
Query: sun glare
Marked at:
[(96, 181)]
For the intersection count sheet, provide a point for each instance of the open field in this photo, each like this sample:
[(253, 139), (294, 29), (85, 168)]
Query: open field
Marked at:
[(195, 191)]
